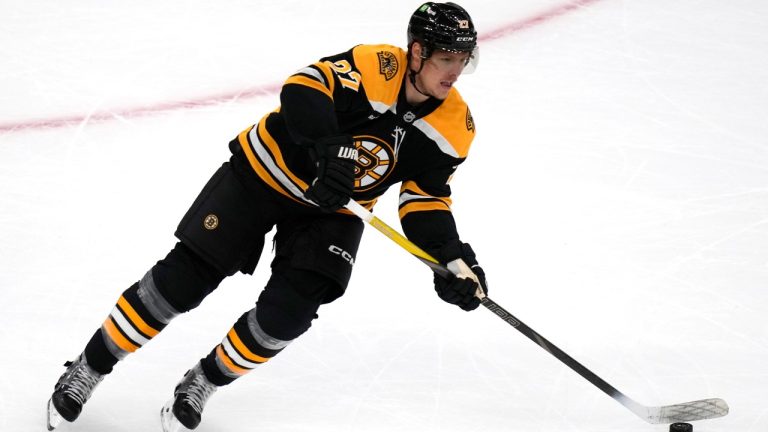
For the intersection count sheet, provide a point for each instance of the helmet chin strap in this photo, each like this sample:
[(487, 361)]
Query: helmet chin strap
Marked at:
[(412, 77)]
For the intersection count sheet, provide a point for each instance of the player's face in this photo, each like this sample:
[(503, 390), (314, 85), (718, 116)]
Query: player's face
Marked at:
[(440, 72)]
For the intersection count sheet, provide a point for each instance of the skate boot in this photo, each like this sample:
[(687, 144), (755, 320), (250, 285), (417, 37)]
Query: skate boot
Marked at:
[(184, 411), (72, 391)]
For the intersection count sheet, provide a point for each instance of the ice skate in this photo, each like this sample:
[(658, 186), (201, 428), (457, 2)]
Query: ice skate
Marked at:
[(71, 392), (183, 412)]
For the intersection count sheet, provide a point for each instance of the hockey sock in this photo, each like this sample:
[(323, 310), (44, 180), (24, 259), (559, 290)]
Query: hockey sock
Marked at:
[(245, 347), (139, 315)]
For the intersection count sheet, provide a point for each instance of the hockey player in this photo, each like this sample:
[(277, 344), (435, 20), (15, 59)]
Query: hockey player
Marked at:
[(349, 126)]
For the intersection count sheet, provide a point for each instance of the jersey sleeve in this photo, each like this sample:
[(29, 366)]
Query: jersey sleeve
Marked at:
[(425, 202), (308, 105), (425, 210), (315, 98)]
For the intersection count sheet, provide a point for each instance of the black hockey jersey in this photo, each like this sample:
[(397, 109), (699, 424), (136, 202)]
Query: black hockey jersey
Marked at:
[(362, 93)]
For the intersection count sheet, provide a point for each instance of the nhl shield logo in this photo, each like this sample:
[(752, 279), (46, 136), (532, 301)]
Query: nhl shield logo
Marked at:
[(388, 64)]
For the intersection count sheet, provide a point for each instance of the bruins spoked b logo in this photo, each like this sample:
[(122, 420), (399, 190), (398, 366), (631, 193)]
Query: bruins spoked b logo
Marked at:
[(211, 222), (375, 161)]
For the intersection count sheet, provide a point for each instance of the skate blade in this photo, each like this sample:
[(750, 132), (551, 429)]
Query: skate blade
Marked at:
[(54, 419), (168, 421)]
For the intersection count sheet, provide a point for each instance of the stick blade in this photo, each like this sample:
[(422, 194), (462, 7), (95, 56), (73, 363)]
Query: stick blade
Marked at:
[(689, 411)]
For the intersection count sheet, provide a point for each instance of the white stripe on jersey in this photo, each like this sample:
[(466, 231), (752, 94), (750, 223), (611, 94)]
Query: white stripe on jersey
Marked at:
[(314, 73), (405, 197), (444, 145), (381, 107), (272, 167)]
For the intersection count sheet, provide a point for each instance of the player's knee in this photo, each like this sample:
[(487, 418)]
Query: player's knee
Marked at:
[(184, 279), (290, 301)]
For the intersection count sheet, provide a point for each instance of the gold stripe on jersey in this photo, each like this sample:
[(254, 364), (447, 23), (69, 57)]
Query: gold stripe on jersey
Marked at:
[(409, 187), (449, 126), (269, 153), (412, 186), (272, 170), (309, 82), (368, 204), (317, 76), (417, 206), (256, 165), (327, 73), (413, 199), (382, 68), (265, 138), (264, 174)]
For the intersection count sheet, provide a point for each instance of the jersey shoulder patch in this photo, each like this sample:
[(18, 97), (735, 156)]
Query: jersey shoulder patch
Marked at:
[(382, 68), (451, 126)]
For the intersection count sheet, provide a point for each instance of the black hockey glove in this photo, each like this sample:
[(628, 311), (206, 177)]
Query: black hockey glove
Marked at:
[(334, 158), (461, 289)]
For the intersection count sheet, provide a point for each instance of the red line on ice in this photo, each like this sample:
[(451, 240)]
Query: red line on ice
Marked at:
[(536, 19), (267, 89)]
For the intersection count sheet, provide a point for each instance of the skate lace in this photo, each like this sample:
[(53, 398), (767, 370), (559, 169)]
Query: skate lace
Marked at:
[(198, 392), (81, 384)]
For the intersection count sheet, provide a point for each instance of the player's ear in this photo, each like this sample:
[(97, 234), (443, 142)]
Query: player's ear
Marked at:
[(416, 52)]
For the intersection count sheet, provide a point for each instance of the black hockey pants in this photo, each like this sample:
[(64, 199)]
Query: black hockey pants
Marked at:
[(223, 233)]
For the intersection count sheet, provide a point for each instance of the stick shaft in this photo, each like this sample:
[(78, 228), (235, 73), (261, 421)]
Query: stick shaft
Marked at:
[(689, 411)]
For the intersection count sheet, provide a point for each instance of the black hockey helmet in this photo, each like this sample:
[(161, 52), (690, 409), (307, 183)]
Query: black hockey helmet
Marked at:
[(442, 26)]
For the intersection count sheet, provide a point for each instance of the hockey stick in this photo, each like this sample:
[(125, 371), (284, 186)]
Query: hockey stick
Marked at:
[(683, 412)]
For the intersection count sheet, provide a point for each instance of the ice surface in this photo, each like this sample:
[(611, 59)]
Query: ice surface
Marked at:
[(617, 196)]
